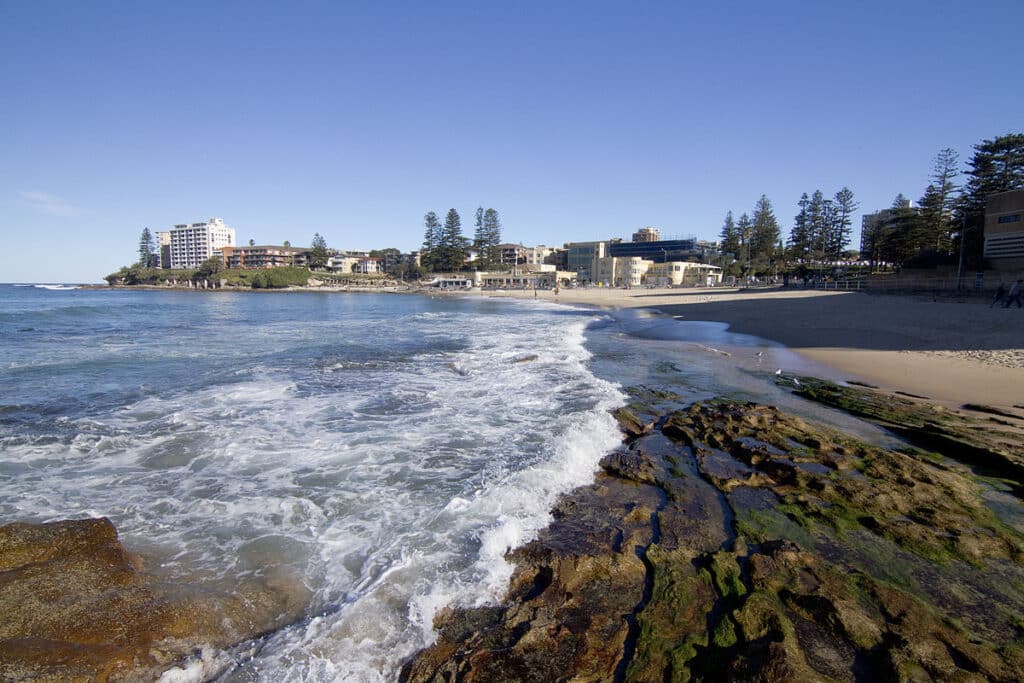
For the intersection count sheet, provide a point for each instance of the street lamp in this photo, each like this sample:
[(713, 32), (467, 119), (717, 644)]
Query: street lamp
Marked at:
[(960, 265)]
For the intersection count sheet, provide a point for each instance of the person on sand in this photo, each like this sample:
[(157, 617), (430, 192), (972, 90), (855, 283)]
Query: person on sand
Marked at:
[(1000, 295), (1014, 296)]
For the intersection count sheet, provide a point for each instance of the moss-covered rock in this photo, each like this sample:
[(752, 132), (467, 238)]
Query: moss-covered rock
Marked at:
[(741, 543), (979, 441)]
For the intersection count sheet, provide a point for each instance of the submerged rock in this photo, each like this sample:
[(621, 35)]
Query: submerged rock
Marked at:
[(77, 605), (741, 543)]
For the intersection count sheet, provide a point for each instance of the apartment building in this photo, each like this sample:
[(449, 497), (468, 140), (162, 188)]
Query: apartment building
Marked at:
[(256, 257), (368, 266), (871, 223), (356, 262), (191, 244), (163, 247), (512, 254), (622, 271), (647, 234), (540, 254)]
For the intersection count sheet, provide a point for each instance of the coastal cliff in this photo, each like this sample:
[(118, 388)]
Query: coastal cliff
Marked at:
[(730, 541)]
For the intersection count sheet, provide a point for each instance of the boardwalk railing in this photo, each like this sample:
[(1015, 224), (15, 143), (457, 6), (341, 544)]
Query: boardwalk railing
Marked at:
[(898, 284)]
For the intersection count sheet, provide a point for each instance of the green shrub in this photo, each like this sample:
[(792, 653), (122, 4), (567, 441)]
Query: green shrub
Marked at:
[(279, 278)]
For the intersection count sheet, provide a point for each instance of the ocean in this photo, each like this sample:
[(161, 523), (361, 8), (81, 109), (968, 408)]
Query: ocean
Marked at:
[(381, 451)]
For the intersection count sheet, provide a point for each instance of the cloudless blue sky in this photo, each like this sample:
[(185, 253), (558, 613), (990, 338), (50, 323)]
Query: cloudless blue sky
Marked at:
[(576, 121)]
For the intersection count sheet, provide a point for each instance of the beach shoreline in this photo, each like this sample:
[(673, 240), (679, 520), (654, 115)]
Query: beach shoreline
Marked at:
[(856, 334), (734, 505), (949, 351)]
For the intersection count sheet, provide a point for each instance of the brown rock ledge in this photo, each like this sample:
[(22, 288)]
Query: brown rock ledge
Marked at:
[(77, 606), (735, 542)]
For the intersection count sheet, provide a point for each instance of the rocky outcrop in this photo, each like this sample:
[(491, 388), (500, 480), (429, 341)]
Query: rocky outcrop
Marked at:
[(735, 542), (993, 443), (77, 606)]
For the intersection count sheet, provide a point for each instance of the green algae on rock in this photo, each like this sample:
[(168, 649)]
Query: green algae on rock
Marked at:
[(736, 542), (986, 443)]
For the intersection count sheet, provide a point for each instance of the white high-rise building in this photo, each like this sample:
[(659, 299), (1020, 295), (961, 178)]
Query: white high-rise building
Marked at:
[(193, 244)]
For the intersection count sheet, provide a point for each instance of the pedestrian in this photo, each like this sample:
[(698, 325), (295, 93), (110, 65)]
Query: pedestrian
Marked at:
[(1014, 296), (1000, 295)]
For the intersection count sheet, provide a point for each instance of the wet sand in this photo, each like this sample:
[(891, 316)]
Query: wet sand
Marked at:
[(950, 350)]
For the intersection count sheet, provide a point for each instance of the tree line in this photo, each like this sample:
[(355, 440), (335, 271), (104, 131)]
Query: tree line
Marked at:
[(444, 246), (947, 226), (751, 243), (820, 233)]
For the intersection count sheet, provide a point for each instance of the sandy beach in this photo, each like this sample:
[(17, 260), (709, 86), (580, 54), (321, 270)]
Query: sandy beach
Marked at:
[(952, 351)]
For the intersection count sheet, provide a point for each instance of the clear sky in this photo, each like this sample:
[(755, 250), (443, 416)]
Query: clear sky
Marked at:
[(575, 120)]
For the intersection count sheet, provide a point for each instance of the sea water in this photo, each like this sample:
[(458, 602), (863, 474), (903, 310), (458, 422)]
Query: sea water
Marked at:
[(382, 451)]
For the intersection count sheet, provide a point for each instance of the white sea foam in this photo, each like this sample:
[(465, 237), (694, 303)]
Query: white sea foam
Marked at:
[(57, 288), (388, 484)]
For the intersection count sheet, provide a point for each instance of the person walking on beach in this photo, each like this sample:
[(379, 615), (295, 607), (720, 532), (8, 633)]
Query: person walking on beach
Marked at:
[(1000, 295), (1014, 296)]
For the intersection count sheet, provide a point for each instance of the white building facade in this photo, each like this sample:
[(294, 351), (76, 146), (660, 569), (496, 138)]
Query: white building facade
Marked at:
[(679, 273), (539, 254), (191, 244), (622, 271)]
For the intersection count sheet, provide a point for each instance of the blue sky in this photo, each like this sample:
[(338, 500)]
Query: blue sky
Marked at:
[(576, 121)]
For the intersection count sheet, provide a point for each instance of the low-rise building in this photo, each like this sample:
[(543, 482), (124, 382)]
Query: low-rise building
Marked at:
[(527, 276), (659, 251), (258, 257), (582, 257), (360, 262), (391, 259), (682, 273), (1004, 231), (452, 282), (342, 263), (367, 266)]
